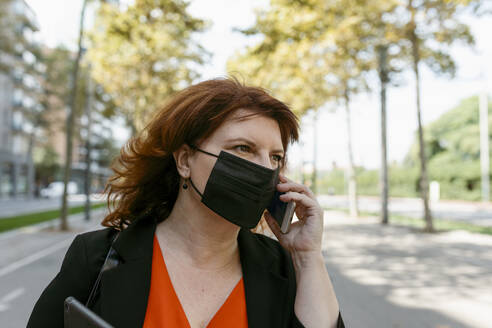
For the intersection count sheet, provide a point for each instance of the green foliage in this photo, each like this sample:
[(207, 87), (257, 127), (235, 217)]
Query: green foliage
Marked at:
[(57, 85), (144, 53), (454, 138), (332, 182), (313, 52), (59, 63), (402, 182), (452, 144), (433, 26)]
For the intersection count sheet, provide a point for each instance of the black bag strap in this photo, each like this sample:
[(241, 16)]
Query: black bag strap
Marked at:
[(112, 260)]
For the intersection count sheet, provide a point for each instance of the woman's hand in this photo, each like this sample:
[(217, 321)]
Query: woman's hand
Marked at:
[(304, 237), (316, 304)]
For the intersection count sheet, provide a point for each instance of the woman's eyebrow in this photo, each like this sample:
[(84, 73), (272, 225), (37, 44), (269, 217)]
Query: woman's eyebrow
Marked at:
[(251, 143)]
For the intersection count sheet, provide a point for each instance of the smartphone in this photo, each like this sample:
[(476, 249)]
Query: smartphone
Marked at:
[(76, 315), (281, 211)]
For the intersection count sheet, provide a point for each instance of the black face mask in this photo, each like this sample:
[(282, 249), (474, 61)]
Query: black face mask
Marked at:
[(238, 190)]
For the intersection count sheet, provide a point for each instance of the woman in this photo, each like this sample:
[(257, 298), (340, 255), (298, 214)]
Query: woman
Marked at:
[(186, 192)]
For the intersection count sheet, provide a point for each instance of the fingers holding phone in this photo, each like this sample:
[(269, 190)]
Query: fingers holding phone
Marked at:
[(306, 234)]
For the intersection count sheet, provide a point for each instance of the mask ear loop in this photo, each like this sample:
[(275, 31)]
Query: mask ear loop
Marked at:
[(194, 187), (205, 152)]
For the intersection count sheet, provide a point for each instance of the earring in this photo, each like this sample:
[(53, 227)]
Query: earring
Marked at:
[(185, 186)]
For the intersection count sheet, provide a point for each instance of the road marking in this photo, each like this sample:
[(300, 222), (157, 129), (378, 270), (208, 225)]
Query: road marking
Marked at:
[(34, 257), (10, 297)]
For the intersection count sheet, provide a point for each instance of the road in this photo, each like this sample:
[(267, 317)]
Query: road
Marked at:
[(471, 212), (12, 207), (29, 259)]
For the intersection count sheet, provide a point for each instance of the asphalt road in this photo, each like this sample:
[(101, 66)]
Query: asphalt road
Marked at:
[(11, 207), (20, 289), (471, 212), (29, 259)]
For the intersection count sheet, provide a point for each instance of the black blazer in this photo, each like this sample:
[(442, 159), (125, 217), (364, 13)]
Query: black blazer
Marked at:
[(268, 275)]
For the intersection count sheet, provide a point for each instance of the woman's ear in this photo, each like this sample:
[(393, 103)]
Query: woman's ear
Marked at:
[(182, 159)]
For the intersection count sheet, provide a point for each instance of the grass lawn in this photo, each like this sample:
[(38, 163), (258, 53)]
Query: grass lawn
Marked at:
[(439, 224), (19, 221)]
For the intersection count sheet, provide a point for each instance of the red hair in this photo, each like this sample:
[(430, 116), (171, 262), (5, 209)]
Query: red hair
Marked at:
[(145, 175)]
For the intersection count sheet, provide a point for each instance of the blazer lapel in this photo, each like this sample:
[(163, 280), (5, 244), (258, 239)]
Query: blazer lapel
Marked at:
[(264, 285), (125, 289)]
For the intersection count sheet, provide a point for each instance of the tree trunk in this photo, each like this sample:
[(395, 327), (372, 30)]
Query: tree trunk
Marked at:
[(383, 79), (314, 177), (424, 183), (352, 182), (88, 174), (70, 122)]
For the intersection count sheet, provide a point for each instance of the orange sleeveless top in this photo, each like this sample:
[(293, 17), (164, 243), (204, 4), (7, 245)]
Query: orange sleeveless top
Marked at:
[(164, 309)]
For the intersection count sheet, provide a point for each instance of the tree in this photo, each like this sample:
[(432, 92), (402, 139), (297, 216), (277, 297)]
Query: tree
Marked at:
[(55, 85), (71, 121), (315, 52), (144, 53), (431, 28), (379, 29), (368, 35)]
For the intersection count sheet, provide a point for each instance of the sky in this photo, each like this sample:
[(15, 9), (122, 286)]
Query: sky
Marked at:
[(58, 20)]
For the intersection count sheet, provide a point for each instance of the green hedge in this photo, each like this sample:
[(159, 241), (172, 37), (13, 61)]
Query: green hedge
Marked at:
[(404, 182)]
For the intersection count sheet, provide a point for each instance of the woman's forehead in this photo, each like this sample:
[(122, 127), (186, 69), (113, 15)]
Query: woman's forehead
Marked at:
[(253, 126)]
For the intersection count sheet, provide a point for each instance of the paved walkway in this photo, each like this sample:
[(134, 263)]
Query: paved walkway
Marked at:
[(395, 277)]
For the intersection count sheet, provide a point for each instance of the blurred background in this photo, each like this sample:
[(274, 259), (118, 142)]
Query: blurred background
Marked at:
[(393, 97)]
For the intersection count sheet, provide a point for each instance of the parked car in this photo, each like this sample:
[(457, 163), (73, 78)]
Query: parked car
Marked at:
[(55, 189)]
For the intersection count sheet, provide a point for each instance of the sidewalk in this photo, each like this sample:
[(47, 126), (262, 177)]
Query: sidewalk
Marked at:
[(395, 277)]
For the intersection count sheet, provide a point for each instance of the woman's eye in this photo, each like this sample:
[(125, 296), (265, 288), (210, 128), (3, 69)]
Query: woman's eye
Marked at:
[(243, 148), (277, 158)]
